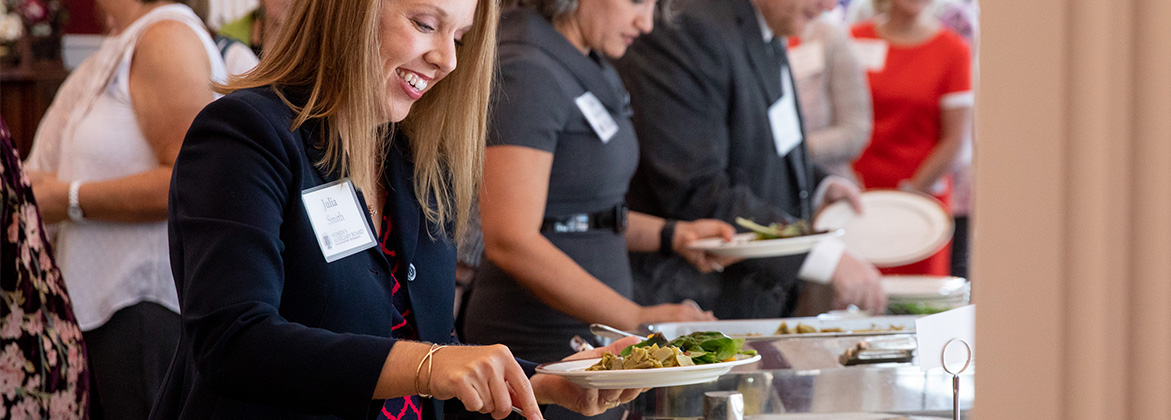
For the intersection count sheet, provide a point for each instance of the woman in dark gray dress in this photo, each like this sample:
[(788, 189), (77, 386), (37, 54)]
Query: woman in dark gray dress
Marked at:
[(561, 153)]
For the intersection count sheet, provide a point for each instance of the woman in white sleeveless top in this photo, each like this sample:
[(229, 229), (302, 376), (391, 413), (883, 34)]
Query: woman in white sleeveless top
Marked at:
[(101, 165)]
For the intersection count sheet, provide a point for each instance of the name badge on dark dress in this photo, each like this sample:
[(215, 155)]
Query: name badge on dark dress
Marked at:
[(596, 114), (337, 219)]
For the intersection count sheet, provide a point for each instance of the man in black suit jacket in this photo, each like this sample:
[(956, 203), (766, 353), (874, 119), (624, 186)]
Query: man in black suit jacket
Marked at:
[(720, 137)]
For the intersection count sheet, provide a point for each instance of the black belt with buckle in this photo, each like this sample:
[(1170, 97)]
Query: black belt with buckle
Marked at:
[(612, 219)]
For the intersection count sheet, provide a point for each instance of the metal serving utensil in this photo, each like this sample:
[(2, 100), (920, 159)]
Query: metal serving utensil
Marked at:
[(603, 330)]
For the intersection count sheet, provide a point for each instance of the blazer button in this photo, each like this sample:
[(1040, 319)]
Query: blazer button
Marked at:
[(410, 272), (804, 194)]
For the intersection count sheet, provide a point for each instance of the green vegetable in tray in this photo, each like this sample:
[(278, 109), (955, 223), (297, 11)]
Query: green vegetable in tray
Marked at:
[(914, 308), (774, 230)]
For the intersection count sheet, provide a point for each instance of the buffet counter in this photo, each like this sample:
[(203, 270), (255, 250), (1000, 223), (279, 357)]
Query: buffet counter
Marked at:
[(804, 375)]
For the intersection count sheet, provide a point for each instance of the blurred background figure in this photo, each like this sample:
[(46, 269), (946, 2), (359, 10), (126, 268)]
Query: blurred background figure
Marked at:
[(238, 58), (920, 81), (721, 136), (833, 94), (43, 372), (561, 151), (101, 165), (963, 17), (258, 28)]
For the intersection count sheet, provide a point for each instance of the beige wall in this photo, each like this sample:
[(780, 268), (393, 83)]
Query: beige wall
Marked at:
[(1072, 247)]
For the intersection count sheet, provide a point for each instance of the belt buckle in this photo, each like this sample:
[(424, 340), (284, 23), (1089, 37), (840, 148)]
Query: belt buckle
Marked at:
[(620, 218), (575, 223)]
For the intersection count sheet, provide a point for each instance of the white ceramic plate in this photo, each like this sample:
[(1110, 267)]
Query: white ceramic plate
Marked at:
[(745, 245), (896, 227), (575, 371), (922, 287)]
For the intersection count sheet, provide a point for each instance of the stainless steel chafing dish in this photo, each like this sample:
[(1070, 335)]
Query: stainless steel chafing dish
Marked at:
[(766, 329), (804, 373)]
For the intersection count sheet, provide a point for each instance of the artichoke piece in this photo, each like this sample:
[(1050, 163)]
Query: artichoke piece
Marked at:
[(677, 358), (610, 361), (648, 357), (662, 354), (805, 329), (641, 358), (784, 329), (671, 356)]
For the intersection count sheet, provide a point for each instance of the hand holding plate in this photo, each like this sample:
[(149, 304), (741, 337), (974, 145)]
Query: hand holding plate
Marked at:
[(688, 232), (587, 401)]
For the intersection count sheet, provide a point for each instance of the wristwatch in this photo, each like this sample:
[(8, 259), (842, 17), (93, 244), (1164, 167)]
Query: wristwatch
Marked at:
[(75, 212), (667, 238)]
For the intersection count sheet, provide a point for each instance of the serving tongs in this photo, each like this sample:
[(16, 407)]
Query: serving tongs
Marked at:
[(606, 331), (879, 350), (603, 330)]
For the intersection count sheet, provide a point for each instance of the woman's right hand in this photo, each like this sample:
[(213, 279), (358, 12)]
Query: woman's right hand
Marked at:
[(673, 312), (486, 379)]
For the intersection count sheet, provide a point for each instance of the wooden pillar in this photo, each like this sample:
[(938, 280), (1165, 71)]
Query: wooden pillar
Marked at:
[(1073, 210)]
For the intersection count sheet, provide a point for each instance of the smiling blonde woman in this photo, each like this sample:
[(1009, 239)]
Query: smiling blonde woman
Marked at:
[(311, 215)]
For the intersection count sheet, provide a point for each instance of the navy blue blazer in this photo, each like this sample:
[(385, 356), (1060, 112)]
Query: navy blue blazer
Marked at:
[(270, 330)]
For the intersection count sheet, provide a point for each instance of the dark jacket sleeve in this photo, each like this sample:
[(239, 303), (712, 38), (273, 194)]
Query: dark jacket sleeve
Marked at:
[(232, 187), (680, 89)]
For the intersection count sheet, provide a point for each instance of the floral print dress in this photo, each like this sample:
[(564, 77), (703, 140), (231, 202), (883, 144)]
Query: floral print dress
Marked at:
[(43, 371)]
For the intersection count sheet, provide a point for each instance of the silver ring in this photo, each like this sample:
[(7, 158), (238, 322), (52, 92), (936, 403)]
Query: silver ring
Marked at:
[(717, 267)]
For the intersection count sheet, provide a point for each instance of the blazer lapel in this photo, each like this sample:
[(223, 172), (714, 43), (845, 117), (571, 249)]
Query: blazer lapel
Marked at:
[(311, 137), (797, 158), (429, 278), (397, 178), (757, 51)]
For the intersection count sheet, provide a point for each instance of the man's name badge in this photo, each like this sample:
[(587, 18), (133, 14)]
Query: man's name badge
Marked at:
[(338, 220), (783, 119), (596, 114)]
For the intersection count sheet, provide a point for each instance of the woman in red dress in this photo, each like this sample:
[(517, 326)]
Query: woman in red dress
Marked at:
[(920, 82)]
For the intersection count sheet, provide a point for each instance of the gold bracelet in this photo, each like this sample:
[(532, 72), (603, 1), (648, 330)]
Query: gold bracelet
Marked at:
[(429, 359)]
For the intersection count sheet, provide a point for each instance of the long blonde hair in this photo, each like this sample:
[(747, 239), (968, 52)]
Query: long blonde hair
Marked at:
[(330, 49)]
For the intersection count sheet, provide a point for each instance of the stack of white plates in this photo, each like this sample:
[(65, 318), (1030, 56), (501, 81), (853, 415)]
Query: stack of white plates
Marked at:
[(921, 295)]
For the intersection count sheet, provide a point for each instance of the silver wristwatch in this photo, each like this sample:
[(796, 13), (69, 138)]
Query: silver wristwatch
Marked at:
[(75, 212)]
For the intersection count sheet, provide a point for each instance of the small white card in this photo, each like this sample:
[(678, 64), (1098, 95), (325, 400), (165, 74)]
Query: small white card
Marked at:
[(871, 53), (934, 331), (338, 220), (782, 117), (807, 59), (598, 117)]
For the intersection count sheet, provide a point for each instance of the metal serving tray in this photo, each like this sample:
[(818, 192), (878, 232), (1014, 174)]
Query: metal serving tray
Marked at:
[(765, 329)]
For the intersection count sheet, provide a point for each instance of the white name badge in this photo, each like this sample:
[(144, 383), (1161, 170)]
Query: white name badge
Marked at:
[(596, 114), (871, 53), (782, 118), (338, 220), (807, 59)]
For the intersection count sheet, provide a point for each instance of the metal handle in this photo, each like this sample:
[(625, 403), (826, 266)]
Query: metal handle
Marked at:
[(955, 397), (603, 330)]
